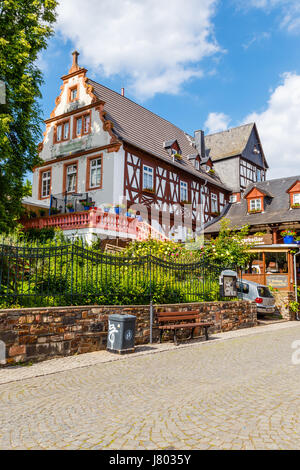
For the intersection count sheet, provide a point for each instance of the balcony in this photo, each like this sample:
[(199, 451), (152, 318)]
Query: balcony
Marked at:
[(103, 223)]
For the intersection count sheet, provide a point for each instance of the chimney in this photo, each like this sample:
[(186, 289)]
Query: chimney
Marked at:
[(75, 65), (200, 143), (123, 91)]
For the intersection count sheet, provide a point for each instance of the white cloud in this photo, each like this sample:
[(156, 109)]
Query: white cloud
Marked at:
[(279, 128), (289, 11), (216, 122), (157, 44), (256, 38)]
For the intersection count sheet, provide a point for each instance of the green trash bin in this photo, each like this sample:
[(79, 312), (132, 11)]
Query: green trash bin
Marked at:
[(121, 334)]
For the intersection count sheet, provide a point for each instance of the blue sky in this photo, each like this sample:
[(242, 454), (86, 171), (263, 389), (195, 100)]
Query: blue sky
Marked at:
[(200, 63)]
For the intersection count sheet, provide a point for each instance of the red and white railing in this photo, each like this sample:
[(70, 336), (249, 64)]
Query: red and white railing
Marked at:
[(108, 222)]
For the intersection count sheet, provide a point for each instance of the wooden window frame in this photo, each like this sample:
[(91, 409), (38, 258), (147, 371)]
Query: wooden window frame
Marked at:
[(256, 199), (66, 165), (296, 194), (216, 200), (70, 93), (88, 173), (187, 190), (148, 190), (81, 116), (44, 170), (61, 123)]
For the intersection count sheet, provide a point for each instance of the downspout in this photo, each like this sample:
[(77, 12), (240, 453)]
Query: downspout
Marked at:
[(295, 279)]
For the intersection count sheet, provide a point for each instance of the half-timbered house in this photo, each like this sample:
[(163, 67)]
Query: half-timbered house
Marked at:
[(99, 147)]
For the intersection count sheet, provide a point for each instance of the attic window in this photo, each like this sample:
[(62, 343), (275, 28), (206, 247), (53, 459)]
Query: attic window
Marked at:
[(176, 153), (73, 93), (255, 205), (296, 199)]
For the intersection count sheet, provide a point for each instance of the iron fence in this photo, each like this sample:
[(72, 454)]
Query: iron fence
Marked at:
[(59, 274)]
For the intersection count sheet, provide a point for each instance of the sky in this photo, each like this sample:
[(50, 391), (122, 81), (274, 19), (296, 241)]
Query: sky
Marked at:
[(201, 64)]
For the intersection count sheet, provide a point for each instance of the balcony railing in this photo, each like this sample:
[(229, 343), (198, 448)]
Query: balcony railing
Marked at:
[(117, 225)]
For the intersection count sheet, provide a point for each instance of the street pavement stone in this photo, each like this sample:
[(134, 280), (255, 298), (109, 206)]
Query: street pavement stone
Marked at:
[(237, 394)]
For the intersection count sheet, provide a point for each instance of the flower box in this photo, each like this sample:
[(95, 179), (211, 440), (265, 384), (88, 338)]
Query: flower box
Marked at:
[(149, 190)]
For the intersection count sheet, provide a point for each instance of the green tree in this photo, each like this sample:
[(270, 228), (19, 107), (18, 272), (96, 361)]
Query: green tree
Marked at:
[(228, 248), (25, 26)]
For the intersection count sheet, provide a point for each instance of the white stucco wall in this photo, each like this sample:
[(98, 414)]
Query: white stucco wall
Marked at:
[(112, 163)]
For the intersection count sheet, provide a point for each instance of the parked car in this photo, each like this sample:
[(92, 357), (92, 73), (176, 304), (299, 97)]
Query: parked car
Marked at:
[(252, 291)]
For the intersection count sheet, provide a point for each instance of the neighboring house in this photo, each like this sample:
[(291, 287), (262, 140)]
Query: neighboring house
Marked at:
[(238, 157), (268, 208)]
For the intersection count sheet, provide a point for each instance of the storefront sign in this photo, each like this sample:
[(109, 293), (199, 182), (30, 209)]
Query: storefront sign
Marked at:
[(259, 240), (277, 281)]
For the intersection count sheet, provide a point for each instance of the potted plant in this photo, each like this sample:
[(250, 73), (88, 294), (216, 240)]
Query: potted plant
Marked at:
[(177, 155), (297, 240), (107, 207), (185, 202), (288, 236), (117, 209), (130, 213), (295, 206), (54, 211), (42, 212), (70, 207)]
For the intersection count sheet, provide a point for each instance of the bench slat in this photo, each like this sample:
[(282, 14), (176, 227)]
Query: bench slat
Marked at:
[(168, 314), (181, 320), (184, 325), (187, 317)]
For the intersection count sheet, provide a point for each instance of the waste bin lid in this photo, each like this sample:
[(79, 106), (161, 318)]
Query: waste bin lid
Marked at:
[(120, 318)]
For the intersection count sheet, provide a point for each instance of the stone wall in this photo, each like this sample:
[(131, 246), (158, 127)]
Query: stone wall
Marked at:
[(42, 333), (282, 300)]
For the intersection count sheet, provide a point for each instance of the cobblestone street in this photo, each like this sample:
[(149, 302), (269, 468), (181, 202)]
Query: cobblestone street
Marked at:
[(237, 394)]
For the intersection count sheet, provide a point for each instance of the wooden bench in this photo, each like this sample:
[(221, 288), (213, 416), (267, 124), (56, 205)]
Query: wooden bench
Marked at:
[(181, 320)]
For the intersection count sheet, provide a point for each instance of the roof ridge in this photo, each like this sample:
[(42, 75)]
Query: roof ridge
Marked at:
[(230, 129), (143, 107), (276, 179)]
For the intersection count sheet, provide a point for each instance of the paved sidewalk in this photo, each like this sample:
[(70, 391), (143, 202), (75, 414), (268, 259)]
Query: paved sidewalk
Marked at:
[(238, 391), (52, 366)]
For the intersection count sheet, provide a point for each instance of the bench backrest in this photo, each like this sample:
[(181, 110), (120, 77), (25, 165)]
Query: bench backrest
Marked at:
[(164, 317)]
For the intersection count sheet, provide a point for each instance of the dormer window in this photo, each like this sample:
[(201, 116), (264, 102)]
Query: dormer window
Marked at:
[(256, 197), (294, 193), (255, 205), (173, 149)]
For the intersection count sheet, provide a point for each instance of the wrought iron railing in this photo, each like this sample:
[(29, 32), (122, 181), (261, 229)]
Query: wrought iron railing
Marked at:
[(75, 274)]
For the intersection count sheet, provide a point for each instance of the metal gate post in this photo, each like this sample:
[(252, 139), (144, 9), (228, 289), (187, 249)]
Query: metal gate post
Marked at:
[(151, 322)]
